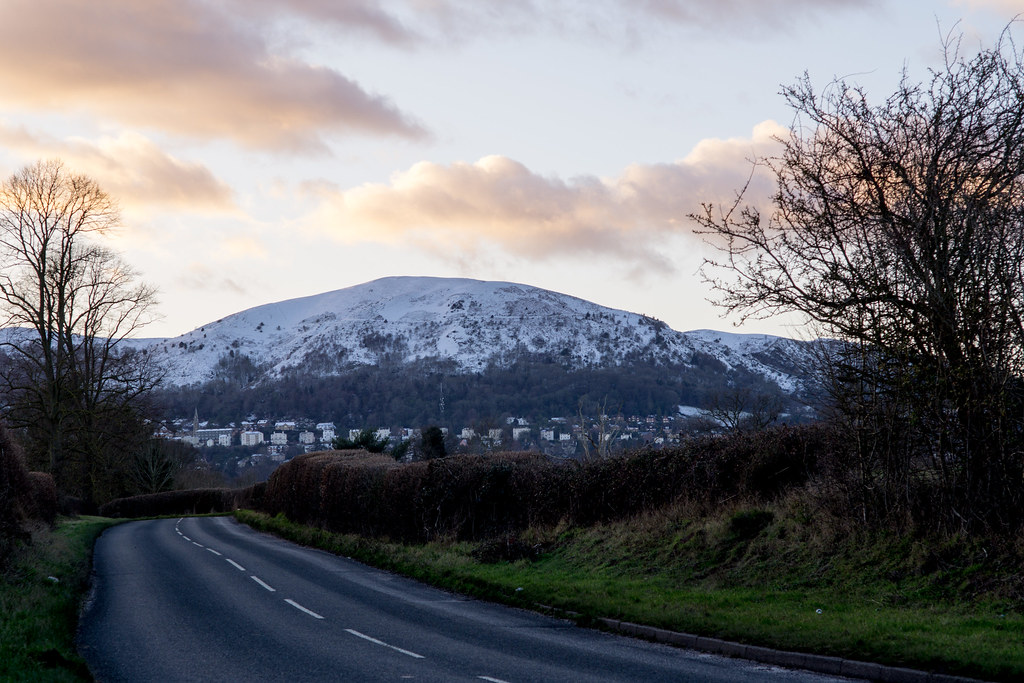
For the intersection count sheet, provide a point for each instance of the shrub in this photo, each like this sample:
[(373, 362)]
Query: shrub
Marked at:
[(42, 497), (13, 494)]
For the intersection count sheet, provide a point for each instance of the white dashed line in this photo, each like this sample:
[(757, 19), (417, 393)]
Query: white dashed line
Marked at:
[(302, 609), (257, 580), (186, 537), (200, 545), (492, 680), (235, 565), (381, 642), (214, 552)]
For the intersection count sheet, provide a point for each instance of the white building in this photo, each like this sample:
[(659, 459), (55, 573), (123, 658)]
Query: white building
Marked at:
[(467, 433), (565, 437), (384, 433), (327, 436), (307, 437), (324, 426), (520, 433), (224, 440), (547, 434), (205, 435), (279, 439), (494, 434), (252, 438)]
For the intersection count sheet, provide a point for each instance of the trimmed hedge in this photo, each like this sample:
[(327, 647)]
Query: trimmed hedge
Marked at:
[(474, 497), (190, 502)]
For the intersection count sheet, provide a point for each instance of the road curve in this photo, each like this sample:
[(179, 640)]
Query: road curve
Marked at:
[(209, 599)]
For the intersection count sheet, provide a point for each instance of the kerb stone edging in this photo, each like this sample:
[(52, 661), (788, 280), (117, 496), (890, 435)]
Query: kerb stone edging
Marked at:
[(835, 666)]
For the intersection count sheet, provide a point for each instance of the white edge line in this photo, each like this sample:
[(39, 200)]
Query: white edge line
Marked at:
[(381, 642), (214, 552), (302, 609), (257, 580), (235, 565), (492, 680)]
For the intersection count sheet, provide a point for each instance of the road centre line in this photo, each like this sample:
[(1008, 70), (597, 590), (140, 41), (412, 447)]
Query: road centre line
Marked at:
[(302, 609), (235, 565), (185, 537), (492, 680), (257, 580), (214, 552), (198, 544), (381, 642)]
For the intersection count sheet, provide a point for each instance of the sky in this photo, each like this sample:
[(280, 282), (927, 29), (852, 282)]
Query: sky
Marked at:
[(262, 150)]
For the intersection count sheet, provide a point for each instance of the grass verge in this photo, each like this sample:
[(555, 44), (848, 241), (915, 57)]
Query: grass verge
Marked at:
[(41, 592), (746, 575)]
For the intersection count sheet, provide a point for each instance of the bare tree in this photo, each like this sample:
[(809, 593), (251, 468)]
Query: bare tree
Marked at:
[(898, 229), (740, 409), (158, 463), (71, 383), (598, 439)]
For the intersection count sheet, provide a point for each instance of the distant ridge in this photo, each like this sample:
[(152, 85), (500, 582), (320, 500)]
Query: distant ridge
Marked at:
[(472, 323)]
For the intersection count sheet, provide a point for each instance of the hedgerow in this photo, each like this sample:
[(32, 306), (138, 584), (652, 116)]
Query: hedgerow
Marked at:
[(474, 497), (193, 501)]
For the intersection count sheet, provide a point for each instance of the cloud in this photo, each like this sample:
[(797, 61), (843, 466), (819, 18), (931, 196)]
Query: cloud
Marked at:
[(200, 277), (183, 66), (499, 204), (245, 248), (720, 13), (359, 15), (463, 20), (1010, 7), (131, 168)]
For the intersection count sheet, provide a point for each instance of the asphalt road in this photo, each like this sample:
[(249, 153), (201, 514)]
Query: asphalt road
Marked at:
[(208, 599)]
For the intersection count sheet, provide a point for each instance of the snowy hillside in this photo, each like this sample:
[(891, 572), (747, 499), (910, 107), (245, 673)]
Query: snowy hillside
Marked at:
[(471, 322)]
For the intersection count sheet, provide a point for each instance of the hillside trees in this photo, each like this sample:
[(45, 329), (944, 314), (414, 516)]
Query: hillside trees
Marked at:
[(68, 380), (432, 443), (898, 229), (367, 440)]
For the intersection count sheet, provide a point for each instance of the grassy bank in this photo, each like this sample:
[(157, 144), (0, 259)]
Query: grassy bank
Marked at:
[(40, 595), (755, 576)]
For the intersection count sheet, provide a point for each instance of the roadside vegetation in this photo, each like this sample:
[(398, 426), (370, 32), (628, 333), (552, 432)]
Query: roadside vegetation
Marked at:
[(757, 575), (41, 592)]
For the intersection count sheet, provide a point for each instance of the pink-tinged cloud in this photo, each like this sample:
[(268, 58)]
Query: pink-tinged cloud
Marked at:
[(183, 66), (499, 204), (131, 168)]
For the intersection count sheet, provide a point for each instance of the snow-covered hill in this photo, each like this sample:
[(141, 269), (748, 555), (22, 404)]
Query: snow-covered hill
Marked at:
[(473, 323)]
